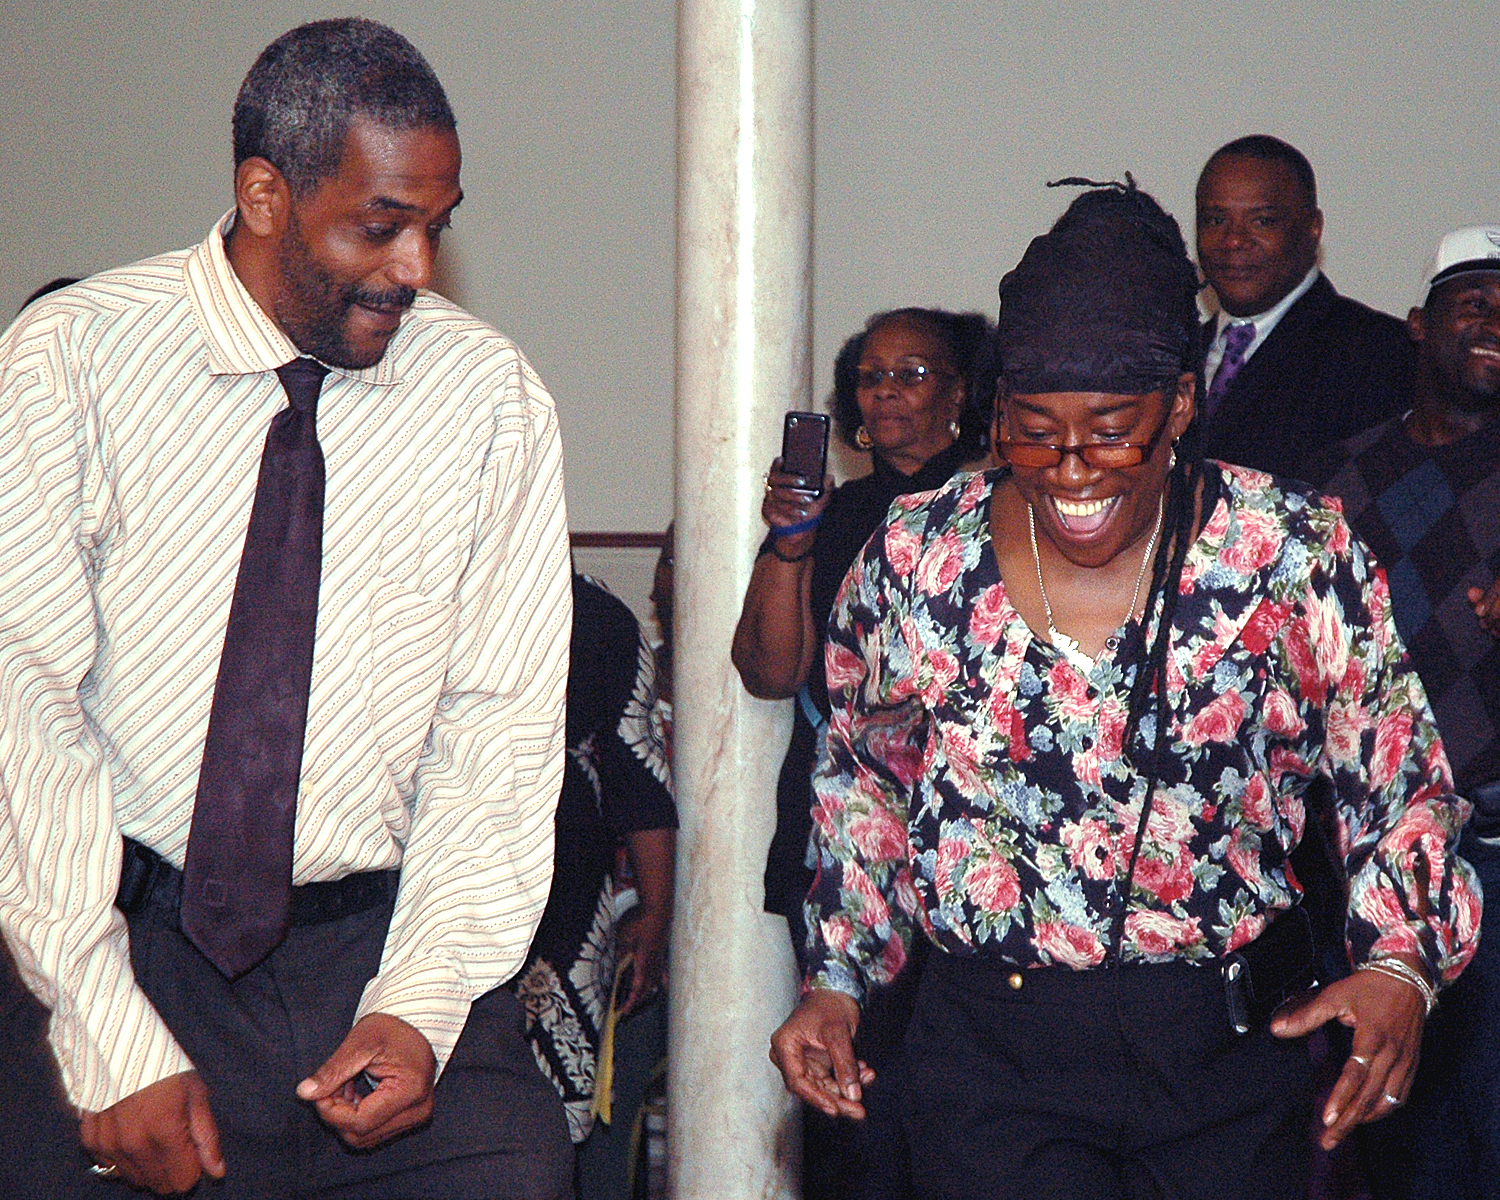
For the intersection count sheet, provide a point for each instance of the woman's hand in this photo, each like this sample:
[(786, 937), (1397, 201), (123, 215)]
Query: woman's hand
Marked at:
[(814, 1051), (790, 500), (1387, 1016), (775, 642)]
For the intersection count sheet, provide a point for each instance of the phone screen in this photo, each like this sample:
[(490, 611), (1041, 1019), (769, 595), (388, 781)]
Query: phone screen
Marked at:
[(804, 448)]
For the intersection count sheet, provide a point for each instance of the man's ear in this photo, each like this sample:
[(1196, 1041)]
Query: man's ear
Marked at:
[(1416, 325), (262, 198)]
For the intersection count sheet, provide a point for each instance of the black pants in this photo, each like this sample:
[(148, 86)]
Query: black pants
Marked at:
[(1098, 1085), (498, 1128)]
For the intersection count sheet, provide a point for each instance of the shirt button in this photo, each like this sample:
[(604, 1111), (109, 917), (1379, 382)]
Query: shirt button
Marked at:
[(1015, 981)]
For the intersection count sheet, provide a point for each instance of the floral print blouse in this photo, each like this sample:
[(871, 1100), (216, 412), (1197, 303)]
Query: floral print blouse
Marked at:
[(974, 786)]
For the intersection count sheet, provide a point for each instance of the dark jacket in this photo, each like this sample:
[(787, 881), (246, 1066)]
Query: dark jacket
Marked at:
[(1330, 368)]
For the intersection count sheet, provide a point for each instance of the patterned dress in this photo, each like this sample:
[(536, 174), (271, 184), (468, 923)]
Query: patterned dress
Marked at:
[(975, 787), (616, 781)]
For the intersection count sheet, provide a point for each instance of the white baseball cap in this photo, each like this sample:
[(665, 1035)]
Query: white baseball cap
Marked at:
[(1476, 248)]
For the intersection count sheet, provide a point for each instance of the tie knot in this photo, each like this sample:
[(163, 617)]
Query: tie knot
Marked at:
[(302, 378), (1237, 337)]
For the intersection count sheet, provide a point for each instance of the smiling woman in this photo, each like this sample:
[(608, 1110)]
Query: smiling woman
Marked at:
[(1084, 788)]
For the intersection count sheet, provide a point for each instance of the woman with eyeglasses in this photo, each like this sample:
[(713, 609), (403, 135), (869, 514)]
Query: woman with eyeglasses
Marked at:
[(904, 391), (1077, 704)]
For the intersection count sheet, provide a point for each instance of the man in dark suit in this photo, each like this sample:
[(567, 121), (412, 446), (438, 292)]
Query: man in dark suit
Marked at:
[(1290, 365)]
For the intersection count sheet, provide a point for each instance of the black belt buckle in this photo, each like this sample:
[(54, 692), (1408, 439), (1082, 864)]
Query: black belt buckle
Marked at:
[(1264, 974), (138, 874)]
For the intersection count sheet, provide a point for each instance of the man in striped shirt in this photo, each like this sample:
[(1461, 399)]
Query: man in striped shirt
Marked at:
[(133, 409)]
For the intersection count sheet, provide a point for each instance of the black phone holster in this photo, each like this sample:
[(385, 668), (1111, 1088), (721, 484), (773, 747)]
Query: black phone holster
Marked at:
[(1263, 974)]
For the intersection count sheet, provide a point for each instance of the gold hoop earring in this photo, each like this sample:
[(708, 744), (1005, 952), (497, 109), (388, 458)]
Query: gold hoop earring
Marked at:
[(863, 440)]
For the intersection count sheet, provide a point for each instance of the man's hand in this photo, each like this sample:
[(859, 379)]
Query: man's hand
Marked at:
[(646, 928), (644, 935), (815, 1051), (161, 1138), (1387, 1016), (400, 1061), (1486, 604)]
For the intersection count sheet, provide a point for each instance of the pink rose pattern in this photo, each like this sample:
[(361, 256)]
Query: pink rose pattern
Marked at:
[(975, 790)]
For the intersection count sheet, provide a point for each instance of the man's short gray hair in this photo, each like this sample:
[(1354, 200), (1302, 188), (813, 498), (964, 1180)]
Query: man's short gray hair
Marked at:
[(308, 86)]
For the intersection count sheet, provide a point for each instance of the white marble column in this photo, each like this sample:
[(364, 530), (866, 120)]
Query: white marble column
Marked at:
[(744, 242)]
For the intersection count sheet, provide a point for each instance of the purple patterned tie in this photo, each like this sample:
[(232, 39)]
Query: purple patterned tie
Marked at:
[(1237, 339), (237, 881)]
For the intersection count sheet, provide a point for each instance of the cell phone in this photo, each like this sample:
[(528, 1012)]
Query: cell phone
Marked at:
[(804, 448)]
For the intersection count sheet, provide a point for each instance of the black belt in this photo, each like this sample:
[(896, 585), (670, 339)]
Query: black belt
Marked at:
[(147, 879)]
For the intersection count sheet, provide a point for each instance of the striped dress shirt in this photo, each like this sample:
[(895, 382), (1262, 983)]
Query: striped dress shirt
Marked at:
[(133, 410)]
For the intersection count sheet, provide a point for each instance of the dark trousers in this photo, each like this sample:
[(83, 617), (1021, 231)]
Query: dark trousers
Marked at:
[(498, 1128), (1098, 1085), (1444, 1143), (869, 1159)]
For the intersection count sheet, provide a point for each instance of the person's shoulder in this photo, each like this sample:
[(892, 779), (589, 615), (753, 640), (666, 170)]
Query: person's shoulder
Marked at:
[(1309, 524), (1323, 467), (435, 322), (436, 325), (595, 605), (1352, 314), (439, 340), (932, 509), (124, 295), (954, 515)]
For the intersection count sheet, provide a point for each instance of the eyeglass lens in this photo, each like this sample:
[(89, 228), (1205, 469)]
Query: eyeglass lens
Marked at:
[(1101, 457), (907, 375)]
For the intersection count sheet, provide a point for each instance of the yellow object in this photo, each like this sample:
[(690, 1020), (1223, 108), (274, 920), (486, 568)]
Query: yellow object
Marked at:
[(602, 1105)]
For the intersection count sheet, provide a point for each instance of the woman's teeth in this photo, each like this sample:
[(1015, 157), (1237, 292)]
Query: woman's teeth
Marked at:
[(1083, 516), (1081, 508)]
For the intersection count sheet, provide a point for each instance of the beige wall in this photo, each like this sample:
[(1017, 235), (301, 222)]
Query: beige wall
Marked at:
[(937, 125)]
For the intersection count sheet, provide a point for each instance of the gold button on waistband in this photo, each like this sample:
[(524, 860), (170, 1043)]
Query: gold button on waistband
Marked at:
[(1015, 981)]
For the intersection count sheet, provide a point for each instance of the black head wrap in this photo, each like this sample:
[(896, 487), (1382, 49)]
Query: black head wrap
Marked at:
[(1103, 302)]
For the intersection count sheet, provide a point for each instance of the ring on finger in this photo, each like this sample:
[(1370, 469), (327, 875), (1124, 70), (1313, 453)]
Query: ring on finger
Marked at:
[(1360, 1059), (1393, 1101), (103, 1170)]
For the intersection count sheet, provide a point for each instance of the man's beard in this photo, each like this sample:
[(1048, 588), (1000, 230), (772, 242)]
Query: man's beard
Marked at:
[(313, 308)]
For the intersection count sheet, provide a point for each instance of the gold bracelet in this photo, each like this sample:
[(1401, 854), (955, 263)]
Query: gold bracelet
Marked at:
[(1394, 968)]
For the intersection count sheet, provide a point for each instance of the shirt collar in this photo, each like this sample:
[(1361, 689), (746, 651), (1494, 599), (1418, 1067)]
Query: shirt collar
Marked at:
[(1266, 321), (932, 474), (241, 337)]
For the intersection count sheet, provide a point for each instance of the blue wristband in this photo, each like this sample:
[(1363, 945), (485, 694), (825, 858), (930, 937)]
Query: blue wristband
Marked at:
[(799, 527)]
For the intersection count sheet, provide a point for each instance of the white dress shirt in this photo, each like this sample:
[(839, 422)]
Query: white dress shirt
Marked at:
[(1263, 322), (133, 411)]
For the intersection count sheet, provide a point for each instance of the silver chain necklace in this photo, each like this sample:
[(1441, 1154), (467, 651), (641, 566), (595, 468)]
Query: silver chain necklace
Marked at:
[(1066, 646)]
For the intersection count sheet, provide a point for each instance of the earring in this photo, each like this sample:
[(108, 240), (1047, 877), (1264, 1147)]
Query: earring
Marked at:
[(954, 429), (1172, 458), (863, 440)]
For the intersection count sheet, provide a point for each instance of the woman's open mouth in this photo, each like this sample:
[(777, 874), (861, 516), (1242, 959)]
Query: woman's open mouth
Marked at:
[(1083, 518)]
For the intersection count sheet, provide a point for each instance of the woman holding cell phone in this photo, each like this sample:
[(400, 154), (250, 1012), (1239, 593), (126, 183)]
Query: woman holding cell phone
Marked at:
[(904, 391)]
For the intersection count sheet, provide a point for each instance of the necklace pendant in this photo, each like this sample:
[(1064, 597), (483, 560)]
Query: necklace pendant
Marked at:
[(1069, 649)]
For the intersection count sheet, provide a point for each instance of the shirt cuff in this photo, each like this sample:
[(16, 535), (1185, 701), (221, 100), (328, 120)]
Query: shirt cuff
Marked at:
[(431, 997), (100, 1069)]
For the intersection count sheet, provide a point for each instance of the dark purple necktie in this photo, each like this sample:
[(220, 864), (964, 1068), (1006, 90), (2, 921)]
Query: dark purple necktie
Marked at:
[(237, 882), (1237, 339)]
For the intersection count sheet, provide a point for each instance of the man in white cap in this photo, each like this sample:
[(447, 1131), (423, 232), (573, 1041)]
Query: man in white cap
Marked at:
[(1424, 491)]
